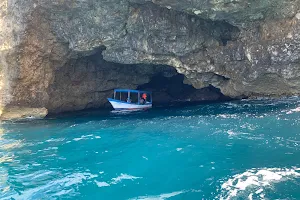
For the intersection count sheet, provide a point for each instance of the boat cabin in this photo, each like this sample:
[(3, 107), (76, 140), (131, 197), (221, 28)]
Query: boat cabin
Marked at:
[(131, 99)]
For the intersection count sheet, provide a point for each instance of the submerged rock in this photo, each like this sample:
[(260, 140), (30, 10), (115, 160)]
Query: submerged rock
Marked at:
[(50, 51)]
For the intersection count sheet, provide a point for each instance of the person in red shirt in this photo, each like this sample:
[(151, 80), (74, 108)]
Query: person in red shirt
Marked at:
[(144, 98)]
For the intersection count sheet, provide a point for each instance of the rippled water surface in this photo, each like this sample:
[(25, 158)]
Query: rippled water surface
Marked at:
[(237, 150)]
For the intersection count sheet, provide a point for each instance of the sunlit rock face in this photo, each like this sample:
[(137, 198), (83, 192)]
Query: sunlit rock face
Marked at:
[(235, 12), (50, 57), (249, 57)]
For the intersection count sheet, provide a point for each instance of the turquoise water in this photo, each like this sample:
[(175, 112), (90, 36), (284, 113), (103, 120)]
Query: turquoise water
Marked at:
[(237, 150)]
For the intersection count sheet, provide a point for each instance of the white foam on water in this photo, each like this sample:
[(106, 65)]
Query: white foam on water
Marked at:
[(90, 135), (250, 196), (296, 109), (231, 105), (78, 178), (159, 197), (145, 158), (77, 139), (63, 192), (35, 175), (178, 149), (85, 137), (102, 184), (231, 132), (259, 191), (62, 183), (97, 137), (249, 126), (49, 149), (55, 140), (257, 179), (293, 110), (12, 145), (123, 177), (227, 116)]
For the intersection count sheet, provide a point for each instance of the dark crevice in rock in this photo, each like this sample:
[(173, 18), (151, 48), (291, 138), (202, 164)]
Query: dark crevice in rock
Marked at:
[(169, 91), (225, 32)]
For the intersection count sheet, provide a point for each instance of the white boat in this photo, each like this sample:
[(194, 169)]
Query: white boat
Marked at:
[(125, 99)]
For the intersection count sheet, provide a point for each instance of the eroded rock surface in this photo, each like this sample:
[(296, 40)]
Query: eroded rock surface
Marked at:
[(49, 50), (23, 113)]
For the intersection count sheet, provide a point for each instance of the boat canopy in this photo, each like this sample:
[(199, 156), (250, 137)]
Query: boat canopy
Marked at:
[(132, 91), (132, 96)]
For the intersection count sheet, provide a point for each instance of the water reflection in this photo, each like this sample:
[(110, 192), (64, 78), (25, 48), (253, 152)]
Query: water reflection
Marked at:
[(6, 157), (4, 187)]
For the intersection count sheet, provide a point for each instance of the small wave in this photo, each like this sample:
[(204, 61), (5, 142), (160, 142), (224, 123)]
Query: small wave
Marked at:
[(12, 145), (145, 157), (249, 126), (6, 158), (257, 179), (178, 149), (35, 175), (62, 192), (231, 132), (293, 110), (231, 105), (63, 183), (295, 141), (77, 139), (49, 149), (123, 177), (114, 180), (159, 197), (228, 116), (55, 140), (85, 137), (102, 184)]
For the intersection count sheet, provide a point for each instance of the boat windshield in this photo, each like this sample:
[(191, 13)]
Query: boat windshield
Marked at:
[(133, 96)]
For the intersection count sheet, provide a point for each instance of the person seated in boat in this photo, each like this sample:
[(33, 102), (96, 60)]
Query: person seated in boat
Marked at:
[(143, 99)]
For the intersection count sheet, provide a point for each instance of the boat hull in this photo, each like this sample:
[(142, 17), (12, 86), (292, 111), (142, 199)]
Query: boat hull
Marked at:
[(120, 105)]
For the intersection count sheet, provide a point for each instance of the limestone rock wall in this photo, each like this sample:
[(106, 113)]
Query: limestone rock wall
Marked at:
[(256, 58), (244, 48)]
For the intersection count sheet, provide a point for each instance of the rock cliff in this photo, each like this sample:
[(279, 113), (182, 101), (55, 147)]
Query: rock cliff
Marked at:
[(69, 54)]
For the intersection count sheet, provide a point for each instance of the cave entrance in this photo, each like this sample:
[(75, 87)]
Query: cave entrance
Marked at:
[(172, 91), (86, 81)]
